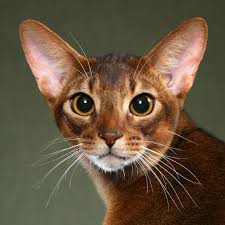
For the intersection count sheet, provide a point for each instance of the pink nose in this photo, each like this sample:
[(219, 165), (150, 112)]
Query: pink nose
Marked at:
[(110, 136)]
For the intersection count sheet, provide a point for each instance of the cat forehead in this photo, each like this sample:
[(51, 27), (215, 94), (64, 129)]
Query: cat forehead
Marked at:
[(109, 73), (114, 77), (124, 73), (113, 70), (116, 74)]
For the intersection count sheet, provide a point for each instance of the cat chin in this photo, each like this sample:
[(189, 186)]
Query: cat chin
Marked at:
[(111, 163), (108, 163)]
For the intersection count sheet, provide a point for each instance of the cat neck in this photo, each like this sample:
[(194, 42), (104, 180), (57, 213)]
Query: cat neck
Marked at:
[(109, 185)]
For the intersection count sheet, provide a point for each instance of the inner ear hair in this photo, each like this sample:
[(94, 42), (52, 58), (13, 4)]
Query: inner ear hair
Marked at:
[(50, 58)]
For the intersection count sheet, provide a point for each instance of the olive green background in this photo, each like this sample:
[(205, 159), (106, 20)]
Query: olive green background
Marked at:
[(26, 123)]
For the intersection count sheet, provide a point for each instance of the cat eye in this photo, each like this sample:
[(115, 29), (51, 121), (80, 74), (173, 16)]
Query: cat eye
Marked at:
[(82, 104), (142, 105)]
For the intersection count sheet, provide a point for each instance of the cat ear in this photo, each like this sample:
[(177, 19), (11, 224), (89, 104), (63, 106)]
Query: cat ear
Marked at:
[(179, 54), (50, 58)]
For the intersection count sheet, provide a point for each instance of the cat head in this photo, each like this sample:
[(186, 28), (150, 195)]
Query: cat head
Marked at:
[(116, 109)]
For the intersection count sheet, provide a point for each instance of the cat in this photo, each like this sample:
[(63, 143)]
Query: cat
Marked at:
[(124, 118)]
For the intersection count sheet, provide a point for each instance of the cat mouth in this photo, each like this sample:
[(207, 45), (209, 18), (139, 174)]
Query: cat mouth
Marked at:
[(112, 155), (112, 161)]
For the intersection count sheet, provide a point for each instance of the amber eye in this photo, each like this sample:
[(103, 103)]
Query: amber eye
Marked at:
[(142, 105), (82, 104)]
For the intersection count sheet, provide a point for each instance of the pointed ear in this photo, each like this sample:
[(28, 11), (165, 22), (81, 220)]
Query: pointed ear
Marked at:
[(179, 54), (50, 58)]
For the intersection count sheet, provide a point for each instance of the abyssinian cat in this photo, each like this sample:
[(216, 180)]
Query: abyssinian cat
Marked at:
[(124, 118)]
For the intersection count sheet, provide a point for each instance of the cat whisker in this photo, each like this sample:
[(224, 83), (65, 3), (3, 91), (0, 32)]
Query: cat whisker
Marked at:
[(172, 159), (55, 139), (50, 155), (171, 166), (84, 76), (62, 150), (71, 177), (178, 174), (64, 117), (78, 163), (54, 167), (56, 159), (62, 176), (144, 171), (135, 72), (85, 73), (124, 175), (179, 149), (175, 180), (136, 166), (48, 162), (173, 151), (165, 191), (160, 144), (133, 160), (163, 176), (58, 140), (147, 178), (147, 61), (198, 182), (186, 139), (73, 37), (160, 154)]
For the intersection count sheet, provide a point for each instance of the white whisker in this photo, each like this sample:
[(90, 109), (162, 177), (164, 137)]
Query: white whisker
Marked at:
[(48, 162), (56, 141), (165, 191), (60, 179), (85, 75), (182, 137), (54, 153), (160, 154), (147, 62), (165, 178), (124, 175), (147, 178), (198, 182), (176, 181), (136, 167), (169, 147), (82, 51), (71, 177), (173, 169), (169, 159), (53, 168), (135, 72)]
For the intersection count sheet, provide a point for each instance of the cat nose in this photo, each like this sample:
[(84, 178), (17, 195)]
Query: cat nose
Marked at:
[(110, 136)]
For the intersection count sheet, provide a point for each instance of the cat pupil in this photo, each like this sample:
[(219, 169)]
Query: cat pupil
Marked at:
[(84, 103), (141, 104)]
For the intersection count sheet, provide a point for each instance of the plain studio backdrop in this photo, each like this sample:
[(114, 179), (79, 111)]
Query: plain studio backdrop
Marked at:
[(26, 124)]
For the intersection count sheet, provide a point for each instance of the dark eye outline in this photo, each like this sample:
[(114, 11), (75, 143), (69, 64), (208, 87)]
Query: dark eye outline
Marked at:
[(150, 109), (75, 109)]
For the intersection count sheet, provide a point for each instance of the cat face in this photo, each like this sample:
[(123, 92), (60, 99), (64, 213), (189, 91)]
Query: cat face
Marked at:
[(115, 114), (117, 108)]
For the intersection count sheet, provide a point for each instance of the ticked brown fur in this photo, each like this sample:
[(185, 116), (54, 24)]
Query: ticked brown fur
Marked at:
[(129, 203), (179, 175)]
